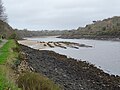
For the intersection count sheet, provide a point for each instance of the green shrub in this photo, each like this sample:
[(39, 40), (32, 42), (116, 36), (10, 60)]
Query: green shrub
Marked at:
[(35, 81), (13, 36)]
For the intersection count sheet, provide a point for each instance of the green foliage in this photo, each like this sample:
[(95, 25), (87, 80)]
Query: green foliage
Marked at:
[(35, 81), (103, 28), (4, 36), (0, 41), (13, 36)]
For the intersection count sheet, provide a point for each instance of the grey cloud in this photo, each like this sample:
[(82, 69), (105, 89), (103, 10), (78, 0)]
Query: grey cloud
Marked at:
[(58, 14)]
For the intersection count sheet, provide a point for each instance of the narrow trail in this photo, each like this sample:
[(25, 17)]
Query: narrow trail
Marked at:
[(3, 42)]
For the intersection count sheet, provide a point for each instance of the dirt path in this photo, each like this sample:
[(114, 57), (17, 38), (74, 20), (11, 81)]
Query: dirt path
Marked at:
[(3, 42)]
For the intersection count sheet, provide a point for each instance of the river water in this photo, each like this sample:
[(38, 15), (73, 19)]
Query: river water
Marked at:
[(103, 54)]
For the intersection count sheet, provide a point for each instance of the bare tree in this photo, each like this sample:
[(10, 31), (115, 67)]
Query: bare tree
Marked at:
[(3, 15)]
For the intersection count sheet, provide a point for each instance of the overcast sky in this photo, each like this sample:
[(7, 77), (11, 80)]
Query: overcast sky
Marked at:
[(58, 14)]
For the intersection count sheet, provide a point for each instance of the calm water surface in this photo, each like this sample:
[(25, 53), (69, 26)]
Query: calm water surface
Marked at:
[(104, 54)]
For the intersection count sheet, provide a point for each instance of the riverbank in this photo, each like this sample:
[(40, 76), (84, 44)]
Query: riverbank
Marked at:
[(70, 73)]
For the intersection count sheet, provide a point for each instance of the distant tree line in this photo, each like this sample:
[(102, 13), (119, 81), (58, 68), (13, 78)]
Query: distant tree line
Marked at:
[(28, 33)]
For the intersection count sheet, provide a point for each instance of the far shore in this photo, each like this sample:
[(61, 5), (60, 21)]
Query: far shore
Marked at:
[(90, 38), (43, 36), (59, 36)]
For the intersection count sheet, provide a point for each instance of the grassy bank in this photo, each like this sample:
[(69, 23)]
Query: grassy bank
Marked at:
[(7, 55), (6, 52)]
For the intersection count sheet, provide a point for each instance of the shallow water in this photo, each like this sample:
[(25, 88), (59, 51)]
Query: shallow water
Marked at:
[(104, 54)]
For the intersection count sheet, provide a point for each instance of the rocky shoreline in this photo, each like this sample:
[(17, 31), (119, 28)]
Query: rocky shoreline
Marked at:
[(70, 73)]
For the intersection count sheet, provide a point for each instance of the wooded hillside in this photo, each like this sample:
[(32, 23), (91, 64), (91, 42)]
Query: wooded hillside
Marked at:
[(107, 28)]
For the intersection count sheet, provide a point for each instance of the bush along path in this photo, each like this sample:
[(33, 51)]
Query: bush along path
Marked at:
[(70, 73)]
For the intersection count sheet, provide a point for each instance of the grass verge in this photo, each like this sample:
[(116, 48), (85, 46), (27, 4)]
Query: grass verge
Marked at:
[(7, 55), (6, 52)]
